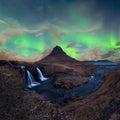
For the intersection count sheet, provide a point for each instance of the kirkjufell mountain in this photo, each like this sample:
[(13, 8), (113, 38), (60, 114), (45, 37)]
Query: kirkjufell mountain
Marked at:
[(59, 62), (58, 55), (57, 51)]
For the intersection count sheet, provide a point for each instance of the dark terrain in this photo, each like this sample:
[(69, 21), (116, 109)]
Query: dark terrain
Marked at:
[(16, 103)]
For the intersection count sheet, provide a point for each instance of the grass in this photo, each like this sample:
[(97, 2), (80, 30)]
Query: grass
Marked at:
[(18, 104)]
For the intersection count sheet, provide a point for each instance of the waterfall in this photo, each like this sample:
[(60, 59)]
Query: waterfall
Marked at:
[(29, 81), (40, 75), (24, 76)]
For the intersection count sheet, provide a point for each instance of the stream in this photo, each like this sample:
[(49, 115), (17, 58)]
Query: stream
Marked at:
[(58, 95)]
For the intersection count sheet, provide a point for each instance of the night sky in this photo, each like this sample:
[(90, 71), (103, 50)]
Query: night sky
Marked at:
[(85, 29)]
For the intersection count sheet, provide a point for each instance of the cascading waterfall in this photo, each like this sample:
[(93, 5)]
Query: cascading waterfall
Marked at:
[(31, 81), (28, 78), (40, 75)]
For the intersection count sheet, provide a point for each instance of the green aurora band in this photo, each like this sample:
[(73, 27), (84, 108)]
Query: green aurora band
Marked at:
[(27, 44)]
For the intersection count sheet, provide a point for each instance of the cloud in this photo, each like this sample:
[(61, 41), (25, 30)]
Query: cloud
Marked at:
[(10, 55), (8, 33), (90, 54), (13, 31), (15, 28), (39, 28), (108, 54), (96, 54), (74, 45), (55, 32), (3, 22), (39, 34), (46, 51), (91, 29), (114, 57)]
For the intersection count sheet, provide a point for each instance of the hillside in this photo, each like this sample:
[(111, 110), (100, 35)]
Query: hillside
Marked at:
[(16, 103)]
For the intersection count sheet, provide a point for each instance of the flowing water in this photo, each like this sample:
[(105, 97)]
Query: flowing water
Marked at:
[(40, 75), (29, 80), (59, 95)]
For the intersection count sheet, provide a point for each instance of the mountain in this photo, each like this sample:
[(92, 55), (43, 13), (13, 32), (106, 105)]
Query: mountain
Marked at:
[(57, 51), (58, 56), (59, 62)]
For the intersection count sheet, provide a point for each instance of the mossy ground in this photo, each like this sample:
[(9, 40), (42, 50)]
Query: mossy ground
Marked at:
[(16, 103)]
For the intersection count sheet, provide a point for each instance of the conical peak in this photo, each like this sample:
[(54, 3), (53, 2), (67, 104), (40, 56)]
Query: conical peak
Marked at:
[(57, 50), (57, 56)]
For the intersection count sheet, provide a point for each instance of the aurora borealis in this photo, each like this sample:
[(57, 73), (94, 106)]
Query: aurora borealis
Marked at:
[(86, 30)]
